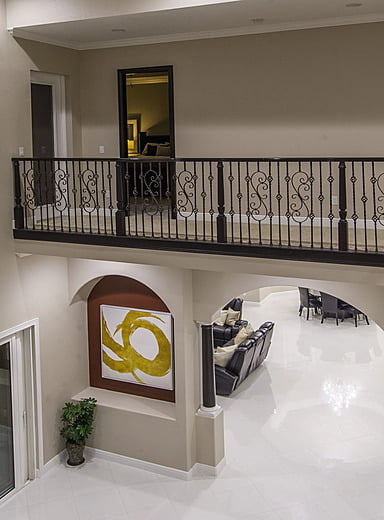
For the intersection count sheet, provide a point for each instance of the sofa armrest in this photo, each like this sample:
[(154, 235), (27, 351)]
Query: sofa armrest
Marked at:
[(225, 380)]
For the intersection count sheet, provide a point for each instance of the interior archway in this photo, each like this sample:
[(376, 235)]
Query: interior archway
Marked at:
[(310, 417)]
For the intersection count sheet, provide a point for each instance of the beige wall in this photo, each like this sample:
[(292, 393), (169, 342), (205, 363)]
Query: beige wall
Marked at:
[(298, 93), (167, 441), (55, 60), (32, 287), (151, 102), (63, 339), (15, 66)]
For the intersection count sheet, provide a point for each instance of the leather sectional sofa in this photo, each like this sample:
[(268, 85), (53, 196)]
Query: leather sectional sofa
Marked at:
[(246, 358), (224, 333)]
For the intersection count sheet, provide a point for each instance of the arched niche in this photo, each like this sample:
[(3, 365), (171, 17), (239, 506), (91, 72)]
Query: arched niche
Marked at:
[(130, 338)]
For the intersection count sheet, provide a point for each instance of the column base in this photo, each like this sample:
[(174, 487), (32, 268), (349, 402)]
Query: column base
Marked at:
[(210, 436), (212, 411)]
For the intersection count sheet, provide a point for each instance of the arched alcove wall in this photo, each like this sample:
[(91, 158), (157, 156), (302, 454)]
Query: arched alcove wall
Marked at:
[(140, 428)]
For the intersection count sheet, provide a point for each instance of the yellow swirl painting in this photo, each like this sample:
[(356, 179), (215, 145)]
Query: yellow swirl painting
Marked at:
[(139, 349)]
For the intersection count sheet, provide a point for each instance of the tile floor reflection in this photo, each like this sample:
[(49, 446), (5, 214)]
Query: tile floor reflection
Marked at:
[(304, 440)]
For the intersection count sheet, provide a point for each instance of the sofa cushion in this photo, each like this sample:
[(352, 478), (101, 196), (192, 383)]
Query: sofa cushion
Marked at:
[(223, 355), (243, 334), (220, 320), (232, 317)]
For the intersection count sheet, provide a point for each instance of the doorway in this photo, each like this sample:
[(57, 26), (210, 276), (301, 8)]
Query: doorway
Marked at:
[(48, 131), (146, 112), (146, 123), (20, 450)]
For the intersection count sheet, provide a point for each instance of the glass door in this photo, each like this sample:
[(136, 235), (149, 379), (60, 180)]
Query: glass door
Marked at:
[(7, 471)]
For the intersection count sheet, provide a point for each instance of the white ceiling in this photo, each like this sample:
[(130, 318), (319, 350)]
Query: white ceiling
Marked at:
[(204, 21)]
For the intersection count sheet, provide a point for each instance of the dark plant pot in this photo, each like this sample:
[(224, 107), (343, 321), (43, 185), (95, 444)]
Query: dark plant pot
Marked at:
[(75, 453)]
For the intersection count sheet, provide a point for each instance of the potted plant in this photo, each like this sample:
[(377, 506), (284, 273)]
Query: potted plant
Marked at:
[(77, 419)]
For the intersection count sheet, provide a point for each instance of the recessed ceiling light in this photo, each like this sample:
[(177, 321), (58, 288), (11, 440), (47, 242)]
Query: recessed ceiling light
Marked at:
[(118, 30), (354, 4), (257, 20)]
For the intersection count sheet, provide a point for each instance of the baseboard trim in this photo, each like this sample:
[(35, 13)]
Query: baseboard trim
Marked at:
[(208, 471), (94, 454), (54, 461)]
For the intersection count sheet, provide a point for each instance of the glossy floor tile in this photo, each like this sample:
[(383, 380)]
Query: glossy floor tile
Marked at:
[(304, 440)]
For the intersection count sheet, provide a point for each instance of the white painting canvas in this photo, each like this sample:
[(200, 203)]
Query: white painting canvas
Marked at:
[(136, 346)]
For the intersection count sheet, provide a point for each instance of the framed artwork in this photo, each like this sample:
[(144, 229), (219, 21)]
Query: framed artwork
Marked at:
[(137, 346), (131, 339)]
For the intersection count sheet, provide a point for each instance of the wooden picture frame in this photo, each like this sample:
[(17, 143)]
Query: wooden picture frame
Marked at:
[(128, 295)]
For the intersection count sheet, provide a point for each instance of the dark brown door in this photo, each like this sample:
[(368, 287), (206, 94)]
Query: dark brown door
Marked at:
[(43, 143)]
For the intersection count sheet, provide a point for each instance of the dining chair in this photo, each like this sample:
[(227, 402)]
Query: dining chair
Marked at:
[(352, 311), (330, 307), (336, 308), (308, 300)]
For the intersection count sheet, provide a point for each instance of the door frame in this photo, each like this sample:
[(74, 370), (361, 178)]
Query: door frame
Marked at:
[(57, 82), (122, 90), (25, 374)]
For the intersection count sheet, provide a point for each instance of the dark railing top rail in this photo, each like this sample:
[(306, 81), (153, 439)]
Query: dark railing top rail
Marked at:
[(208, 159)]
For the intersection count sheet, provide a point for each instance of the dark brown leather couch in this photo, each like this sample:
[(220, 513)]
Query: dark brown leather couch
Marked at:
[(247, 357)]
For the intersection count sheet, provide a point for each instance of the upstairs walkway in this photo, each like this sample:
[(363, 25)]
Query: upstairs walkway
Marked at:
[(328, 210)]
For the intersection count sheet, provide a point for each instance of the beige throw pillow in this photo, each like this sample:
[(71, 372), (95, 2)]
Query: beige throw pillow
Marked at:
[(249, 329), (222, 317), (241, 335), (232, 317), (223, 355)]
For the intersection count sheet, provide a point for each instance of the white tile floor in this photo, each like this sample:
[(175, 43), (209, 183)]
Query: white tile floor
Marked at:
[(304, 441)]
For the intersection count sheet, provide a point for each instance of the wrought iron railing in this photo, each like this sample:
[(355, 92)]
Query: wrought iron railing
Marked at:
[(314, 204)]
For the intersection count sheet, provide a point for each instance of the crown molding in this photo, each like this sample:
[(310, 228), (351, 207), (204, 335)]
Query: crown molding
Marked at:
[(16, 32), (199, 35)]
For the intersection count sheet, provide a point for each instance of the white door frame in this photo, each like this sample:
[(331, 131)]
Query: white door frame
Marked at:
[(57, 82), (26, 401)]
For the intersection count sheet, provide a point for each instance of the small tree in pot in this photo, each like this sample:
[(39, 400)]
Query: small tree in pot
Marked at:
[(77, 426)]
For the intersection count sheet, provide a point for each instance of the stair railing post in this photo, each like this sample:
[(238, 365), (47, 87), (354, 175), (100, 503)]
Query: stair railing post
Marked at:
[(343, 223), (120, 213), (18, 211), (221, 219)]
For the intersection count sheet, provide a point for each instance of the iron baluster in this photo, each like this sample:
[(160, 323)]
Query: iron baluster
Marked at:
[(342, 224), (221, 219), (120, 213)]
